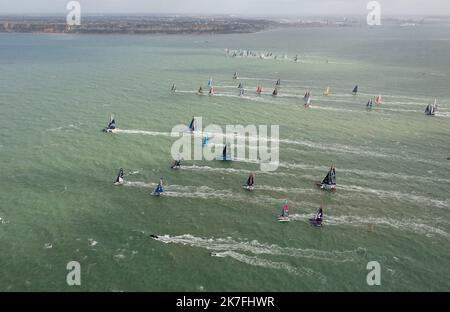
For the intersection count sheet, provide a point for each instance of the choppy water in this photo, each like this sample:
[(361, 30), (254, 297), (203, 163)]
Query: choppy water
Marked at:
[(58, 203)]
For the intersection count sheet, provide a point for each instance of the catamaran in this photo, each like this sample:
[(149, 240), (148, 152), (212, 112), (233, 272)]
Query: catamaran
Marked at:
[(318, 218), (369, 104), (176, 164), (210, 82), (241, 92), (329, 183), (250, 183), (240, 86), (200, 91), (258, 89), (174, 88), (211, 91), (226, 155), (278, 83), (327, 91), (119, 179), (275, 92), (159, 189), (378, 100), (308, 101), (355, 90), (205, 140), (284, 216), (431, 109), (306, 96), (192, 125), (111, 125), (235, 76), (296, 58)]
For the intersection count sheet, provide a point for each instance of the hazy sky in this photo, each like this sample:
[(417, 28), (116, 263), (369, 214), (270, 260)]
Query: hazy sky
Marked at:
[(242, 7)]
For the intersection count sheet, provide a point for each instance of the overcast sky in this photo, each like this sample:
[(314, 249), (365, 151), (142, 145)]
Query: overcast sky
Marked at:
[(242, 7)]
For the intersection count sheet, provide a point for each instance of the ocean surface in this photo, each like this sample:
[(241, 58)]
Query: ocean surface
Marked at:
[(58, 204)]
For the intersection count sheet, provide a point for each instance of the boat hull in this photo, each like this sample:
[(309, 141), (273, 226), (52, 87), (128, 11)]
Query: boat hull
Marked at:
[(327, 187), (316, 223)]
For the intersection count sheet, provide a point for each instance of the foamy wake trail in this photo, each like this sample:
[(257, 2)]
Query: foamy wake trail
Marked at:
[(185, 91), (335, 109), (335, 148), (408, 197), (365, 173), (154, 133), (245, 97), (442, 114), (399, 110), (338, 148), (255, 261), (286, 190), (404, 225), (205, 192), (234, 171), (257, 248), (227, 196)]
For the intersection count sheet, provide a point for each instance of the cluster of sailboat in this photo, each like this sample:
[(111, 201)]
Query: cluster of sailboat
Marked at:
[(267, 55), (327, 184), (430, 109)]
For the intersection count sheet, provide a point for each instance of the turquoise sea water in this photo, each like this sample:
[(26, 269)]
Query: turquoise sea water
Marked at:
[(58, 203)]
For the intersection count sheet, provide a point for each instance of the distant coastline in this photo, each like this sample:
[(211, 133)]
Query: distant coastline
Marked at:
[(148, 24), (154, 24)]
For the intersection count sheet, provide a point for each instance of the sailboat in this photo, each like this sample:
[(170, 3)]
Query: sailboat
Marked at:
[(111, 125), (235, 76), (278, 83), (240, 85), (192, 125), (327, 91), (205, 140), (176, 164), (211, 91), (174, 88), (258, 89), (159, 189), (226, 155), (431, 108), (296, 58), (210, 82), (241, 92), (284, 216), (378, 100), (249, 185), (355, 90), (306, 96), (369, 104), (275, 92), (200, 91), (318, 218), (119, 179), (329, 182), (308, 101)]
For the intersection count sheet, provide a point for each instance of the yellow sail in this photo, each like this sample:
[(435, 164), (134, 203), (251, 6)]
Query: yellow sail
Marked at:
[(327, 91)]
